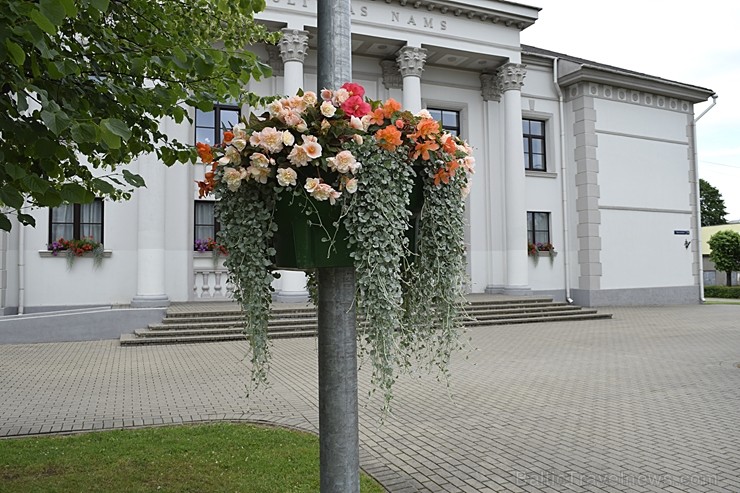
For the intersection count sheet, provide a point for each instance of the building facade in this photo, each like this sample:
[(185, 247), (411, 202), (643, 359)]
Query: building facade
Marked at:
[(598, 161)]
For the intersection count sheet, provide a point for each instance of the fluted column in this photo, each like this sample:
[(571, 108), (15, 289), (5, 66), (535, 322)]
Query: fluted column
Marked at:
[(411, 64), (293, 48), (150, 250), (511, 79)]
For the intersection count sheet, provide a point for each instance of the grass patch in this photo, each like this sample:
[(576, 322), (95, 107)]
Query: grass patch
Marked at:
[(194, 458)]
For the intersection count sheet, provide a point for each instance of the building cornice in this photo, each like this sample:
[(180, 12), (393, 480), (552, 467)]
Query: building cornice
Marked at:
[(509, 14)]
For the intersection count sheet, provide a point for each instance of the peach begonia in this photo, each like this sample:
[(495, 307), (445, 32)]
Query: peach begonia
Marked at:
[(390, 107), (340, 96), (259, 174), (309, 98), (288, 138), (324, 191), (343, 162), (286, 177), (233, 178), (311, 184), (260, 160), (328, 109), (389, 138), (298, 156), (231, 155), (326, 94), (311, 146), (351, 185)]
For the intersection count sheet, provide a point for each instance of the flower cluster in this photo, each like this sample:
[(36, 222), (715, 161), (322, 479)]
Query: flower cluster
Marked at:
[(534, 248), (209, 245), (76, 247), (304, 141)]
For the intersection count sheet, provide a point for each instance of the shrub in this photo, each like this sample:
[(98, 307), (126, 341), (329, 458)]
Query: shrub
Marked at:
[(722, 292)]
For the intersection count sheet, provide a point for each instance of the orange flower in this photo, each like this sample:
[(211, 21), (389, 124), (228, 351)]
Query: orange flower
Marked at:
[(400, 124), (388, 138), (423, 148), (449, 146), (425, 128), (228, 136), (205, 152), (390, 107), (441, 176), (377, 117)]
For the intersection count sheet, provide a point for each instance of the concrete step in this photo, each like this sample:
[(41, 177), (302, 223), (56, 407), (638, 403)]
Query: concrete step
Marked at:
[(301, 321)]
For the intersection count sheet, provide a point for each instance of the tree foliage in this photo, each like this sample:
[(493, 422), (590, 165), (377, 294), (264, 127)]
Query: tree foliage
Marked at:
[(725, 253), (86, 84), (712, 205)]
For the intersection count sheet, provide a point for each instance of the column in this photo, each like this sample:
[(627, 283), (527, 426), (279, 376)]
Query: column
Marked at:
[(293, 48), (411, 63), (511, 79), (150, 251)]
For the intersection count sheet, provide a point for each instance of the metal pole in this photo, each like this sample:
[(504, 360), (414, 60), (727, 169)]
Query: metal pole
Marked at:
[(339, 442), (338, 422)]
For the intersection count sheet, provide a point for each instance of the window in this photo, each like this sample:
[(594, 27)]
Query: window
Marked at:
[(534, 144), (449, 119), (206, 225), (76, 221), (538, 227), (209, 124)]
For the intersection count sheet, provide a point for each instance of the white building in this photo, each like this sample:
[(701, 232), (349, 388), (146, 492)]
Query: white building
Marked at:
[(609, 176)]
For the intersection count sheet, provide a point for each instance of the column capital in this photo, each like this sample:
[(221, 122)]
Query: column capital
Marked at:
[(511, 76), (293, 45), (411, 60), (490, 87), (391, 76)]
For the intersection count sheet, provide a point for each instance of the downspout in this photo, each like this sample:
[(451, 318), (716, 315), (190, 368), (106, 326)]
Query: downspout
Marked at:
[(563, 180), (21, 268), (697, 195)]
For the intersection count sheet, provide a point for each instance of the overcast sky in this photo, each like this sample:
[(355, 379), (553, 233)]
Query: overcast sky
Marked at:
[(696, 43)]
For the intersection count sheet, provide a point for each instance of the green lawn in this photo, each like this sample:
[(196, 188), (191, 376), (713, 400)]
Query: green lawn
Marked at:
[(223, 457)]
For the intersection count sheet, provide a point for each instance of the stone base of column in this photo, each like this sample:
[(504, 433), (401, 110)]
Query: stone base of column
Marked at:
[(150, 301), (494, 289), (290, 297), (518, 291)]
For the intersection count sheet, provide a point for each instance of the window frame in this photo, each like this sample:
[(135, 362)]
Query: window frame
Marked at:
[(216, 224), (447, 128), (532, 231), (77, 221), (217, 131), (529, 138)]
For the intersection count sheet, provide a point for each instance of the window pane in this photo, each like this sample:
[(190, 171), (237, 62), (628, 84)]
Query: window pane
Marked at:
[(541, 221), (63, 214), (204, 213), (204, 118), (229, 118), (538, 161), (525, 141), (62, 231), (525, 126), (436, 114), (449, 118), (204, 232), (93, 231), (92, 212), (537, 146), (204, 135), (537, 128), (542, 237)]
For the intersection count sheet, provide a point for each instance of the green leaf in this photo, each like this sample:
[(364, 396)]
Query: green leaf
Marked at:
[(26, 219), (85, 132), (15, 171), (35, 184), (4, 222), (112, 140), (103, 186), (56, 119), (11, 197), (53, 10), (116, 127), (74, 193), (43, 22), (17, 55), (133, 179), (101, 5), (69, 7), (180, 55)]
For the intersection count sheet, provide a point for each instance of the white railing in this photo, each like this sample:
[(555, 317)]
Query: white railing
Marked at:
[(209, 281)]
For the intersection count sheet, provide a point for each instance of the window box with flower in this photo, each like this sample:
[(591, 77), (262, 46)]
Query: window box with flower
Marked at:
[(73, 249), (537, 250), (338, 180)]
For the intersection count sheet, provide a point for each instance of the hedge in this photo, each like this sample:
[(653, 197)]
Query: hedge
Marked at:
[(722, 292)]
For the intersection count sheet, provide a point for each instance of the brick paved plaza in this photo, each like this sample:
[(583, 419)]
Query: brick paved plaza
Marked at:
[(647, 401)]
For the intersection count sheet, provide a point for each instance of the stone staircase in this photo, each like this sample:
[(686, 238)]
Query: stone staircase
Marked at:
[(213, 322)]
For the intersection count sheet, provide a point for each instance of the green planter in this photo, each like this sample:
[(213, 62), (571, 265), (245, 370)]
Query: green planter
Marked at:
[(300, 243)]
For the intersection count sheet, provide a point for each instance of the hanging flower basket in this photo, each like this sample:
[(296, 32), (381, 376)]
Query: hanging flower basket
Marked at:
[(340, 181)]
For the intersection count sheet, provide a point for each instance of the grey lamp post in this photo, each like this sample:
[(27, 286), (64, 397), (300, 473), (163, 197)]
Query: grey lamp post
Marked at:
[(338, 420)]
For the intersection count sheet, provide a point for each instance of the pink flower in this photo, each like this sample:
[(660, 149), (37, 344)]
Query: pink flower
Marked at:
[(311, 184), (355, 106), (298, 156), (311, 147), (342, 162), (354, 89), (326, 94)]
